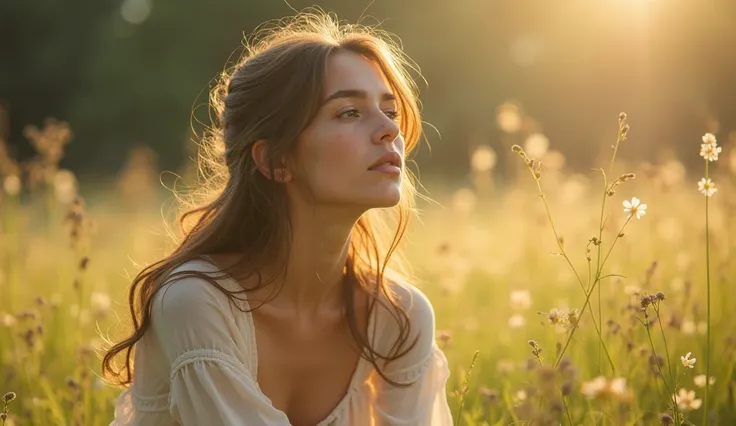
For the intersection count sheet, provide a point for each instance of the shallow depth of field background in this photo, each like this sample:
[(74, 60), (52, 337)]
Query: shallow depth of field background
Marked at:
[(101, 99)]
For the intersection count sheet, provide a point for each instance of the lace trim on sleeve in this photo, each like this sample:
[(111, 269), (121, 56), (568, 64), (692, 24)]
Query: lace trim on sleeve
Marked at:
[(129, 399), (414, 372)]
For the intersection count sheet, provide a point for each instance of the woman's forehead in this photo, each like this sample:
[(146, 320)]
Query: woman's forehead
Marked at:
[(350, 71)]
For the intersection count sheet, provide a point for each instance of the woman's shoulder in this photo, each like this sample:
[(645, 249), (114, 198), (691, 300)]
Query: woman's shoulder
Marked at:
[(194, 285), (410, 299), (413, 301)]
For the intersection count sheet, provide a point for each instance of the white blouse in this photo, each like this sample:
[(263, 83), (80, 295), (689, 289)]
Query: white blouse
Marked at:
[(198, 363)]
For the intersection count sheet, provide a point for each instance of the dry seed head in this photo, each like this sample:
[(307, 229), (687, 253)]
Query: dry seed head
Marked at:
[(645, 301), (3, 417), (627, 176), (72, 384), (666, 420), (489, 395), (622, 117), (566, 388), (624, 131), (32, 315), (546, 374), (9, 396)]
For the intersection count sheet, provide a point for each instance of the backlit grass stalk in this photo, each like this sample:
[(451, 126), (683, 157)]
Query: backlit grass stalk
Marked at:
[(623, 130), (707, 308), (462, 393), (709, 150)]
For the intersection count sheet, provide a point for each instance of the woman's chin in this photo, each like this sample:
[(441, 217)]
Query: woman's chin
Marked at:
[(387, 199)]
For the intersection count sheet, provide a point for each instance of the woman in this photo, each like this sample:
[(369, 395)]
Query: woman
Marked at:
[(278, 307)]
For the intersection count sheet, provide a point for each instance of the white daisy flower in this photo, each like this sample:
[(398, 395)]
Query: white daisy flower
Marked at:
[(687, 361), (635, 208), (594, 388), (686, 400), (707, 187), (710, 152), (699, 380), (516, 321), (709, 139)]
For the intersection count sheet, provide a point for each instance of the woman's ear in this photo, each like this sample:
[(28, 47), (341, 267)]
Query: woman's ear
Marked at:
[(259, 152)]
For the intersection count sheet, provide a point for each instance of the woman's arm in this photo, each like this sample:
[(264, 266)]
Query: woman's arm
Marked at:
[(210, 381), (425, 401)]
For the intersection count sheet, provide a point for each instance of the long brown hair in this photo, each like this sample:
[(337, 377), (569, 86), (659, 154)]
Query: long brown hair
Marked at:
[(273, 92)]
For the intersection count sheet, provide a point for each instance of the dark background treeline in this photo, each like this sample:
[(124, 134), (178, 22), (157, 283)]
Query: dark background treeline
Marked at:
[(130, 72)]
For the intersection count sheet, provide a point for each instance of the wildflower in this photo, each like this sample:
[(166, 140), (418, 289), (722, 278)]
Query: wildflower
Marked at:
[(635, 208), (600, 387), (571, 318), (687, 327), (617, 386), (710, 152), (699, 380), (7, 320), (594, 388), (516, 321), (666, 420), (709, 139), (521, 299), (687, 361), (9, 396), (686, 400), (554, 316), (100, 301), (707, 187)]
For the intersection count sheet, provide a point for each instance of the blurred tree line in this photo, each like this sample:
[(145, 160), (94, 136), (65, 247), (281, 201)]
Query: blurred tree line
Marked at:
[(130, 72)]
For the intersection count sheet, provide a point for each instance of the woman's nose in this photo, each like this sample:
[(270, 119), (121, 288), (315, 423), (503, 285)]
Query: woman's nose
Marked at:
[(388, 131)]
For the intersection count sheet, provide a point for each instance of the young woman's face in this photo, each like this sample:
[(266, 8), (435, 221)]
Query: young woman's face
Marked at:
[(355, 126)]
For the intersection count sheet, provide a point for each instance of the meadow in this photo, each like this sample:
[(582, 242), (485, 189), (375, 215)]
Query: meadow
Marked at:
[(559, 298)]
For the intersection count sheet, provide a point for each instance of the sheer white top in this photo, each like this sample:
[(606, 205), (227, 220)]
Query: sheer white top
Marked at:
[(197, 365)]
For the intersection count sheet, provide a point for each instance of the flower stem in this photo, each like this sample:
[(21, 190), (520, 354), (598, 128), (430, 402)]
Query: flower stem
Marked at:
[(656, 362), (587, 303), (707, 310)]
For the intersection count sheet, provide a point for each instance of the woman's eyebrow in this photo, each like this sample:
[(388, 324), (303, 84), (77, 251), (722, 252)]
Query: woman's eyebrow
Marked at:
[(356, 93)]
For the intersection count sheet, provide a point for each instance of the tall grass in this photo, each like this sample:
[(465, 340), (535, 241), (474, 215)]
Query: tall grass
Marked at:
[(567, 311)]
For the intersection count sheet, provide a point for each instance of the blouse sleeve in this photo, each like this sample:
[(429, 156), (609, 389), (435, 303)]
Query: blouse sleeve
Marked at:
[(209, 384), (425, 401)]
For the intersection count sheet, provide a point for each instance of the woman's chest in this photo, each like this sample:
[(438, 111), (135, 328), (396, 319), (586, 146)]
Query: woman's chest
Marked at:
[(305, 372)]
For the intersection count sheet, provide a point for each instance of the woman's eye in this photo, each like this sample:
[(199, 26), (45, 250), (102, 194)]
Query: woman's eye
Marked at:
[(351, 113), (392, 114)]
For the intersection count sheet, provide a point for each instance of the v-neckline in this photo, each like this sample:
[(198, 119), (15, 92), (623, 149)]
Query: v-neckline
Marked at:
[(358, 373)]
